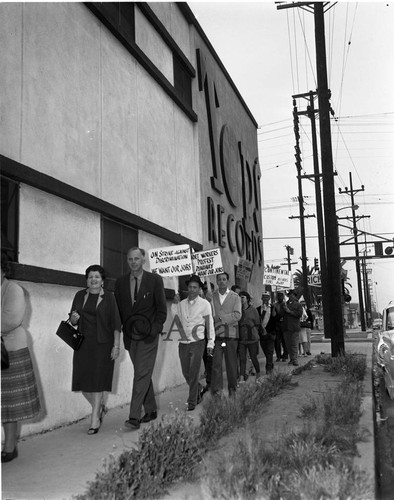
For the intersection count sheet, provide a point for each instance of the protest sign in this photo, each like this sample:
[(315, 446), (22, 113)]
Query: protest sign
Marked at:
[(244, 269), (277, 277), (207, 262), (269, 278), (283, 278), (171, 261)]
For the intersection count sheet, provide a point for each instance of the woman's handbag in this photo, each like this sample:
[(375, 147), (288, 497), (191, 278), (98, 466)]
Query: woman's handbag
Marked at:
[(5, 361), (305, 324), (70, 335)]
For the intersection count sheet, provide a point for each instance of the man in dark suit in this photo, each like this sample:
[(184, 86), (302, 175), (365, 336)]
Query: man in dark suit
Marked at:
[(143, 311)]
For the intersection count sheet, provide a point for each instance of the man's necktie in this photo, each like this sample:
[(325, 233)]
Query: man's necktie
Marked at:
[(135, 289)]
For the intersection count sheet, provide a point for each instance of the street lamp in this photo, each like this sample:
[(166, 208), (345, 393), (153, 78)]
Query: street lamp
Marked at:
[(353, 207)]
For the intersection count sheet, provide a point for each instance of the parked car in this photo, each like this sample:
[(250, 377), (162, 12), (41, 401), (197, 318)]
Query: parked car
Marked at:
[(385, 348), (377, 324)]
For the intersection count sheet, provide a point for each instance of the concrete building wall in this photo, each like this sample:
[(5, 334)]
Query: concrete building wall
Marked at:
[(79, 108), (82, 110)]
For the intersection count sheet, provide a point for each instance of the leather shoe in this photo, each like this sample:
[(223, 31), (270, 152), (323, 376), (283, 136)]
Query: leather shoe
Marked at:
[(8, 456), (148, 417), (132, 424), (190, 407)]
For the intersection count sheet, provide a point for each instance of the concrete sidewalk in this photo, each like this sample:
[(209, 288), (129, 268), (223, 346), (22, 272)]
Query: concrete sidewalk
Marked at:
[(58, 464)]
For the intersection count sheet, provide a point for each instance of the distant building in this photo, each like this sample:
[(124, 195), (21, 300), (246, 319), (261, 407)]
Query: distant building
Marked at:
[(119, 126)]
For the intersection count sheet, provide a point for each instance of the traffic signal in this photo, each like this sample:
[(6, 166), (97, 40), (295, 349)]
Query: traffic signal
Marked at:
[(316, 264), (379, 249)]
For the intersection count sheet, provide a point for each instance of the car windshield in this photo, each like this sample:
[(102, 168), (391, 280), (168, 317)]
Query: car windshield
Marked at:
[(390, 318)]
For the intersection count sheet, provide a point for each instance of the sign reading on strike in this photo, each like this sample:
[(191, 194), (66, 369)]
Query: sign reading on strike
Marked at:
[(207, 262), (171, 261), (314, 280)]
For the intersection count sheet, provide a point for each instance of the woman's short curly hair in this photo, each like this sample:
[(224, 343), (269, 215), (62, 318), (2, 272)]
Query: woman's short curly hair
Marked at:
[(95, 267)]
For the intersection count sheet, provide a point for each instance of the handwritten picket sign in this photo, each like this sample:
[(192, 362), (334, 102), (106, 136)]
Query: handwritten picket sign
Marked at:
[(171, 261), (207, 262), (244, 269)]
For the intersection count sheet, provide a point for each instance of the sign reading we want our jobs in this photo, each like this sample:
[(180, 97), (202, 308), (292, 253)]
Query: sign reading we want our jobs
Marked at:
[(171, 261), (207, 262)]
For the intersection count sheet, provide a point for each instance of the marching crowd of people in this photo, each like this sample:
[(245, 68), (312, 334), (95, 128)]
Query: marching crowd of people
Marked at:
[(215, 323)]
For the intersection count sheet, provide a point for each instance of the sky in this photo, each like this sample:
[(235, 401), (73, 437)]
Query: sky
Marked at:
[(270, 56)]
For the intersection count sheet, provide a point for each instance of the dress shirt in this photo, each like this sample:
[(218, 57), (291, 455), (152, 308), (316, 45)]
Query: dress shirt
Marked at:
[(222, 298), (132, 285), (192, 316)]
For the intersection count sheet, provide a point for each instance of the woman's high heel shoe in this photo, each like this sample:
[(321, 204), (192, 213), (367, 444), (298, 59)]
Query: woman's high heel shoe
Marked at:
[(8, 456), (93, 430), (103, 412)]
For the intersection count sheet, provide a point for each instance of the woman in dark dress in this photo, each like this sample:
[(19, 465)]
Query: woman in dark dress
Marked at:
[(96, 314)]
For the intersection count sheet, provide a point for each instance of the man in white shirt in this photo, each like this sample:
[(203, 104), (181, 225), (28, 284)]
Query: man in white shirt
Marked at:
[(227, 312), (193, 317)]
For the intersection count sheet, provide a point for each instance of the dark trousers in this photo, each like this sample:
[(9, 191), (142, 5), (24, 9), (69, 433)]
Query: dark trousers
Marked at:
[(229, 352), (143, 357), (207, 365), (267, 343), (280, 346), (291, 339), (253, 349), (190, 356)]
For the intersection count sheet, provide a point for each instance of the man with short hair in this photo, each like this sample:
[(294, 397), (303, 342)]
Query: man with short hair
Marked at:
[(227, 311), (293, 312), (143, 310), (193, 317)]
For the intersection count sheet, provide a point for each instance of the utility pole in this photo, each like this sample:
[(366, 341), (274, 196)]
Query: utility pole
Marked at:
[(334, 289), (311, 114), (290, 252), (351, 192), (302, 216)]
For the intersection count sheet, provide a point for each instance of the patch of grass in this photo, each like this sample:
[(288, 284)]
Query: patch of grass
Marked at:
[(171, 450), (312, 464), (336, 406), (299, 467), (351, 365), (167, 451), (221, 415)]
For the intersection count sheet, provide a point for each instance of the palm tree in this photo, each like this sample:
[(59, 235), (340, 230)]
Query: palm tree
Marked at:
[(314, 291), (299, 286)]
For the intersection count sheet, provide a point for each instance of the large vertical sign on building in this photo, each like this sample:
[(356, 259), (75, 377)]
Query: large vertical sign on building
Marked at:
[(235, 176)]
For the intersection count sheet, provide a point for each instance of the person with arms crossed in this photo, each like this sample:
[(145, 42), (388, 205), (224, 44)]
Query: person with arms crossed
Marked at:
[(143, 310), (195, 319)]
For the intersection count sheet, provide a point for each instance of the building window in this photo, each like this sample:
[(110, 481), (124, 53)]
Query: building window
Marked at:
[(120, 15), (117, 239), (9, 218), (182, 81)]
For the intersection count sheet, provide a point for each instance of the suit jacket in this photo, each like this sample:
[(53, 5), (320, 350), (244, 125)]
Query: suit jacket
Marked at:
[(226, 315), (107, 314), (144, 319), (291, 320)]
